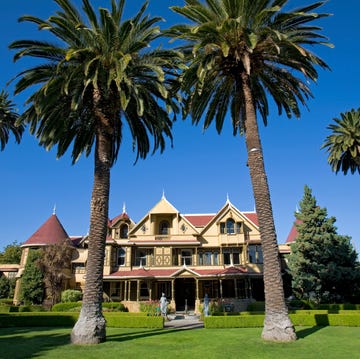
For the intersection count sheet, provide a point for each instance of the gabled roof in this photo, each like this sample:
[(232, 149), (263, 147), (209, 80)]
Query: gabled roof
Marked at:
[(199, 220), (51, 232), (293, 232)]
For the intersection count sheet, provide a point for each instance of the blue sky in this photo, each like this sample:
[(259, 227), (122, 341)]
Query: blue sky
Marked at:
[(202, 168)]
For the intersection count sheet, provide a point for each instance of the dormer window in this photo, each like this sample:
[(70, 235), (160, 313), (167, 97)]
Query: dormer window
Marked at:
[(164, 227), (230, 227), (124, 229)]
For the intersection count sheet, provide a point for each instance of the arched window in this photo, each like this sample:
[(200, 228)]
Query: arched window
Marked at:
[(121, 257), (124, 229), (230, 226), (164, 227)]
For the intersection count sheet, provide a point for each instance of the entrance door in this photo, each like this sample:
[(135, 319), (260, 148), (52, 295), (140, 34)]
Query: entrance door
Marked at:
[(185, 294)]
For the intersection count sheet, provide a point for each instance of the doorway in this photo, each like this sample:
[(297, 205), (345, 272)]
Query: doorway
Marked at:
[(185, 289)]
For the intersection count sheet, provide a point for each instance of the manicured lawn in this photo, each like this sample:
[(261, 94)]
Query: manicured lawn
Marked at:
[(317, 342)]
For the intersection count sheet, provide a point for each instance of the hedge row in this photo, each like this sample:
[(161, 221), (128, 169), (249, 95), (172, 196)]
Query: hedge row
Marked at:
[(76, 306), (52, 319), (303, 304), (303, 319), (21, 308)]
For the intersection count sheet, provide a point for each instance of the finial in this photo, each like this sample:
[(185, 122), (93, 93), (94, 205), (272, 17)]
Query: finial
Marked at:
[(227, 198), (54, 209), (163, 194), (124, 207)]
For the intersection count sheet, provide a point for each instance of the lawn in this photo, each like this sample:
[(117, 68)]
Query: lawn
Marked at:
[(317, 342)]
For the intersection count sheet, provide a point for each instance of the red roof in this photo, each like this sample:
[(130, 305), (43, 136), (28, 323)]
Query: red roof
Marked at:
[(51, 232), (166, 273), (123, 216), (293, 232), (252, 216), (199, 220)]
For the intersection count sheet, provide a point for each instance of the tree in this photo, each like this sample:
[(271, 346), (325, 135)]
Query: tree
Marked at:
[(240, 53), (343, 144), (100, 74), (32, 280), (11, 254), (55, 264), (322, 263), (8, 121)]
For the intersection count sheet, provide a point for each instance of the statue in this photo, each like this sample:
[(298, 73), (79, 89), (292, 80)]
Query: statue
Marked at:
[(206, 305), (163, 305)]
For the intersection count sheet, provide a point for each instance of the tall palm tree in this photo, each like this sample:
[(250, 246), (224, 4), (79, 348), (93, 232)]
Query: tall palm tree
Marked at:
[(343, 144), (98, 76), (240, 53), (8, 121)]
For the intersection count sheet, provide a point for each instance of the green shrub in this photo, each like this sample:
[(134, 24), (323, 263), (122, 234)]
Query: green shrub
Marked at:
[(31, 308), (6, 301), (42, 319), (53, 319), (66, 307), (256, 307), (114, 307), (240, 321), (8, 309), (118, 320), (71, 295), (301, 318)]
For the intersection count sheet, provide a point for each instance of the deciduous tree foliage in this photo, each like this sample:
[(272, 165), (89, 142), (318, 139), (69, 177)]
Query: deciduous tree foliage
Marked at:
[(55, 264), (11, 254), (322, 263)]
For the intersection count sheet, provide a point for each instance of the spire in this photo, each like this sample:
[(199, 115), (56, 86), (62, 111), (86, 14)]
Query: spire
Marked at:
[(54, 209), (163, 194), (227, 198), (124, 207)]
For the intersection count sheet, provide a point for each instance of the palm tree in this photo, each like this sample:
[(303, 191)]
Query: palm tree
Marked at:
[(343, 145), (240, 53), (8, 121), (98, 76)]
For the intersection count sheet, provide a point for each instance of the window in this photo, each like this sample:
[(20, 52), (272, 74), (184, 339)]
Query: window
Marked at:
[(232, 256), (140, 257), (121, 257), (255, 254), (186, 257), (164, 227), (124, 229), (230, 227), (205, 258)]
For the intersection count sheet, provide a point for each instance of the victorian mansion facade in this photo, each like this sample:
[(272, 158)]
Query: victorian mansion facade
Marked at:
[(183, 256)]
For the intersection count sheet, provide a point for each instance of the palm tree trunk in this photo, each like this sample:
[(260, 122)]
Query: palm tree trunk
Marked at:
[(91, 327), (277, 324)]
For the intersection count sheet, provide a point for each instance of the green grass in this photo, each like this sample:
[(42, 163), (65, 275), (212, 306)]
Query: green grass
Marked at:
[(313, 342)]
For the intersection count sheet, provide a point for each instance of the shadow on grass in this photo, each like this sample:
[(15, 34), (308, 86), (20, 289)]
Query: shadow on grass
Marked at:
[(143, 334), (30, 342), (303, 333)]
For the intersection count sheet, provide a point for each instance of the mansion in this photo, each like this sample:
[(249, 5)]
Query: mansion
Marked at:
[(184, 256)]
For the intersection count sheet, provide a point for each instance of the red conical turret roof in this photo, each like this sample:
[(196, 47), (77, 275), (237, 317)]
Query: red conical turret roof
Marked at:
[(51, 232)]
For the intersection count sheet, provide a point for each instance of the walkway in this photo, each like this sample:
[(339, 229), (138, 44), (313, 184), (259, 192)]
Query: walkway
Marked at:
[(183, 321)]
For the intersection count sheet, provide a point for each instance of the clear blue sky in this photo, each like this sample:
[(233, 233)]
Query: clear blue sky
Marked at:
[(202, 168)]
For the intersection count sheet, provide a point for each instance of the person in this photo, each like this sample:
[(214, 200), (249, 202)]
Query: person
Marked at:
[(206, 305), (163, 305)]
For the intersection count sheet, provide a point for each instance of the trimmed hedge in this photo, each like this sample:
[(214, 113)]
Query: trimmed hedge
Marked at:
[(133, 321), (76, 306), (316, 318), (40, 319), (53, 319)]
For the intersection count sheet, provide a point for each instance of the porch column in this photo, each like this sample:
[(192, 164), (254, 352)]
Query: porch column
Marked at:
[(236, 289), (125, 289), (197, 288), (138, 290), (221, 288), (173, 289), (149, 285)]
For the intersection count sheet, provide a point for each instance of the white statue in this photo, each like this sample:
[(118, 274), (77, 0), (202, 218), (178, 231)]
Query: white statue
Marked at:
[(163, 305)]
